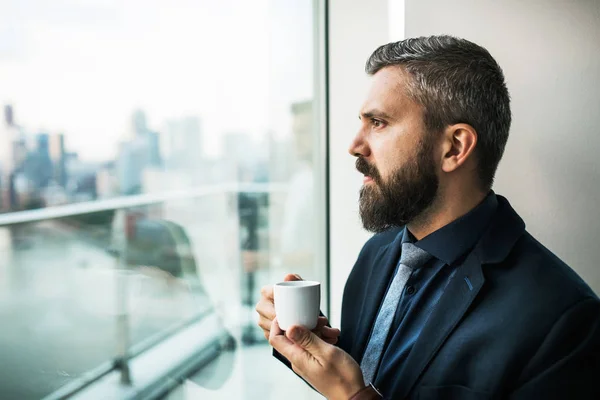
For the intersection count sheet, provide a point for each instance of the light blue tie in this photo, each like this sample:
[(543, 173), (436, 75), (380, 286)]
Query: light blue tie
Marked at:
[(412, 257)]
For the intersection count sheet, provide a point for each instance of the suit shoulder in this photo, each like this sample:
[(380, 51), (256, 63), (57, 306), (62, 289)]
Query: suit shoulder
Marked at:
[(550, 272)]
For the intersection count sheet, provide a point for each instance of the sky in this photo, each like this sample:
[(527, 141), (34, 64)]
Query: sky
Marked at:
[(83, 66)]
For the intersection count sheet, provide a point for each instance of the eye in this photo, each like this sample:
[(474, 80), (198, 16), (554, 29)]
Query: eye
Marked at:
[(377, 123)]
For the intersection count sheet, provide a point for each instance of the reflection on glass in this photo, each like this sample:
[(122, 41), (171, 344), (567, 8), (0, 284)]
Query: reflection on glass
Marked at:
[(60, 291), (156, 166), (298, 231)]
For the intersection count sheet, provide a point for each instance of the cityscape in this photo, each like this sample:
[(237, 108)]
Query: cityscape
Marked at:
[(38, 169), (58, 276), (115, 100)]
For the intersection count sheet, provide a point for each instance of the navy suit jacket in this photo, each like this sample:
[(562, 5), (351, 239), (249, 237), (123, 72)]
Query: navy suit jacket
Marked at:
[(514, 322)]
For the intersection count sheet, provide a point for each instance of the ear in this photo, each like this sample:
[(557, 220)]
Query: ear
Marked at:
[(459, 141)]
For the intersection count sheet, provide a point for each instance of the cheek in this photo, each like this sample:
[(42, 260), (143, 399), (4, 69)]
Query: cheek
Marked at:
[(389, 159), (394, 148)]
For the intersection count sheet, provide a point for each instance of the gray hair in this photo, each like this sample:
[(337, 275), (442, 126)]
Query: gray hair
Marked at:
[(456, 81)]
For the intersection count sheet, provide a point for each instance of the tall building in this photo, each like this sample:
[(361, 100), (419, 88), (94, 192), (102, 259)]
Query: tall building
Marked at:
[(150, 139), (136, 155), (58, 157), (13, 151), (183, 143), (107, 184), (35, 174), (43, 144), (130, 165), (39, 168)]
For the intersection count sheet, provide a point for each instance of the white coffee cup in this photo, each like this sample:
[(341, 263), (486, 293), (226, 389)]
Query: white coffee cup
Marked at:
[(297, 303)]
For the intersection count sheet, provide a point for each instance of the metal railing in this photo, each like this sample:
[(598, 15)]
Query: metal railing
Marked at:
[(124, 353), (123, 202)]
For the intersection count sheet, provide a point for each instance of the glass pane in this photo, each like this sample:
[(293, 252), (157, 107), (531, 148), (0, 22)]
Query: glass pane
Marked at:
[(158, 163), (65, 289)]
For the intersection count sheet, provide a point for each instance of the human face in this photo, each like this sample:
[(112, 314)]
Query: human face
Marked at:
[(395, 154)]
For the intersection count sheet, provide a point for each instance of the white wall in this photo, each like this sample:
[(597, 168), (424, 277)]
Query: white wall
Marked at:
[(550, 53), (356, 28)]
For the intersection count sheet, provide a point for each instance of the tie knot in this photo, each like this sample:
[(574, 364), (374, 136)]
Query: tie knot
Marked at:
[(413, 256)]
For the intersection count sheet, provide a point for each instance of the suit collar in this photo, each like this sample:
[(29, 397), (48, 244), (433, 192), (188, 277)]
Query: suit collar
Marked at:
[(454, 240), (502, 234)]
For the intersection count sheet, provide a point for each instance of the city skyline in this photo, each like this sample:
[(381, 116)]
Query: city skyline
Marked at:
[(112, 99), (40, 169), (82, 68)]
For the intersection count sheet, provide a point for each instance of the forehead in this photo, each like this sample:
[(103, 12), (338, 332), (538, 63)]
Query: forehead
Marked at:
[(389, 92)]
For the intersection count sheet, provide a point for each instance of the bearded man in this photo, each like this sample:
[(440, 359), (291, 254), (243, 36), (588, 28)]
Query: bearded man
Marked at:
[(451, 298)]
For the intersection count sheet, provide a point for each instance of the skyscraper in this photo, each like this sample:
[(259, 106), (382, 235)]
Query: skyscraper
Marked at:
[(183, 144), (139, 153), (150, 139), (57, 155), (36, 172), (12, 154)]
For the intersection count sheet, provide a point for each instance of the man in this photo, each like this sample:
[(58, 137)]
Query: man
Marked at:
[(451, 298)]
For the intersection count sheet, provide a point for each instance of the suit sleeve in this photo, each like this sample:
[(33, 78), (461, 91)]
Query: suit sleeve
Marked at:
[(567, 364)]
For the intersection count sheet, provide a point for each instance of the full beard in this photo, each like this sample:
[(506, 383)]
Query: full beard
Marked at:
[(405, 196)]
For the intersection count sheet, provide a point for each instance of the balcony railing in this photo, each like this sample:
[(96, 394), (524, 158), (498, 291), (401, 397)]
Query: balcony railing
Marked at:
[(191, 342)]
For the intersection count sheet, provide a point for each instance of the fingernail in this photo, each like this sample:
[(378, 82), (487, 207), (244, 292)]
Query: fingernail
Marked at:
[(298, 276)]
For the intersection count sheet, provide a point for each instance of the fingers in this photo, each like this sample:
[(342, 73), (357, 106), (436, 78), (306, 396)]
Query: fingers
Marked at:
[(331, 341), (267, 292), (306, 339), (266, 312), (266, 315), (265, 323), (321, 322), (301, 359), (330, 335), (276, 329), (330, 332), (323, 328), (292, 277), (283, 345), (266, 308)]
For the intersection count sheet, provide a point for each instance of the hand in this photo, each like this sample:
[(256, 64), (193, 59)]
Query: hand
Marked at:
[(329, 369), (266, 312)]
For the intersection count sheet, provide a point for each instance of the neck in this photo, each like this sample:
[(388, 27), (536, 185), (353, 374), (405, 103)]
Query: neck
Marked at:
[(445, 209)]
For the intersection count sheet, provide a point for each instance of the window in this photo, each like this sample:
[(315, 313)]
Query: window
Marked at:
[(160, 162)]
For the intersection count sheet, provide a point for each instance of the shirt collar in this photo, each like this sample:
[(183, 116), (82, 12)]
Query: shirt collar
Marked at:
[(453, 240)]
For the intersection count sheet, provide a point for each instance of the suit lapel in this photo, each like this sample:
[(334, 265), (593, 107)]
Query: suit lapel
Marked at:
[(496, 243), (458, 296), (382, 269)]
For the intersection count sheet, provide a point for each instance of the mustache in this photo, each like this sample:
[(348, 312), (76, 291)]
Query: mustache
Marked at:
[(367, 169)]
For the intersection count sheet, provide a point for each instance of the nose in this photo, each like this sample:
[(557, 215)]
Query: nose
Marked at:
[(359, 146)]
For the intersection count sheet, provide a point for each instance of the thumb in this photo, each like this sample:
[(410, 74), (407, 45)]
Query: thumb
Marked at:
[(292, 277), (305, 339)]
